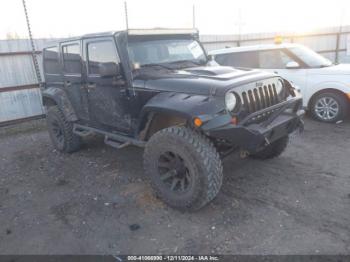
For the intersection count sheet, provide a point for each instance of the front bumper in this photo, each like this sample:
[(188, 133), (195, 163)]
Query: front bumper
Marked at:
[(253, 135)]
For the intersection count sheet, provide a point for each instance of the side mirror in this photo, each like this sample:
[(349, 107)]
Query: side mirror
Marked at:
[(292, 65), (109, 69)]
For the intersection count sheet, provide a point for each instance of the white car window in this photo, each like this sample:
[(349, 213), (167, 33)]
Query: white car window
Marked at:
[(310, 57), (273, 59), (238, 59)]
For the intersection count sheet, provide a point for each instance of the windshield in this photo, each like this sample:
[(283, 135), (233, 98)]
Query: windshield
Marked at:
[(149, 52), (310, 57)]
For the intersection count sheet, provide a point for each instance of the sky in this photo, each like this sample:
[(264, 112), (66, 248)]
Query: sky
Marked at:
[(63, 18)]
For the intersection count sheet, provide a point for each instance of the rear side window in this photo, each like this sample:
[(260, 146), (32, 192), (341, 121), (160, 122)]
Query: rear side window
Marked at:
[(51, 63), (99, 53), (239, 59), (71, 58)]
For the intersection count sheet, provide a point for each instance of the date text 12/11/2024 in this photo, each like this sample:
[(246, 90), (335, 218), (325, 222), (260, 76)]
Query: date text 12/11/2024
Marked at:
[(173, 258)]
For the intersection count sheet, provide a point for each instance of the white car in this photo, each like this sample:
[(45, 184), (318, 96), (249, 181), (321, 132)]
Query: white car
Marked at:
[(325, 86)]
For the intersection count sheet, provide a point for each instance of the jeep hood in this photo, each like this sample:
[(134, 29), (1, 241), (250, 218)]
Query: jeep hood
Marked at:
[(203, 80)]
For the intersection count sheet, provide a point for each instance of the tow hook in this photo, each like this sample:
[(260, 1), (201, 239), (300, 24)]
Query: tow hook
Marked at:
[(243, 154)]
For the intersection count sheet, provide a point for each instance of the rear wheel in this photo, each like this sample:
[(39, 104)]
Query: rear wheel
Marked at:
[(272, 150), (184, 167), (61, 131), (329, 107)]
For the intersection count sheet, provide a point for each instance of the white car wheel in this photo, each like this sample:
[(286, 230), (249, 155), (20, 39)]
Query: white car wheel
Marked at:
[(329, 107)]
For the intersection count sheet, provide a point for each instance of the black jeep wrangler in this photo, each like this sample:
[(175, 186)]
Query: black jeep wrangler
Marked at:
[(159, 90)]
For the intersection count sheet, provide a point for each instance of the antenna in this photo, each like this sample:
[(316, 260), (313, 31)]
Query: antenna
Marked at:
[(127, 45), (126, 15)]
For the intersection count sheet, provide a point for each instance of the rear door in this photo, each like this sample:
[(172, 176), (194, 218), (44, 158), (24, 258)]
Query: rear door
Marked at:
[(73, 78), (106, 95), (52, 67)]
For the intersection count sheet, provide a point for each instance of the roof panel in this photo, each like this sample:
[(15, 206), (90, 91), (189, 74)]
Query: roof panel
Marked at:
[(163, 31)]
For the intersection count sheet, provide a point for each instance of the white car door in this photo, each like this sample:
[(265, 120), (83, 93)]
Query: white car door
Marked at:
[(275, 61)]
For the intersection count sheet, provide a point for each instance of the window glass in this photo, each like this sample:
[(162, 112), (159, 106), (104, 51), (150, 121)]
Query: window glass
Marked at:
[(273, 59), (99, 53), (239, 59), (310, 57), (71, 59), (145, 52), (51, 64)]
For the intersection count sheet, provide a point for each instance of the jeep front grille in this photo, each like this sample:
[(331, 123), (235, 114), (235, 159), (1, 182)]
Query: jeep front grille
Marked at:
[(260, 97)]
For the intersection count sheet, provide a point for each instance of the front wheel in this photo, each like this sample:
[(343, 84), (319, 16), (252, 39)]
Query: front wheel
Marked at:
[(272, 150), (184, 167), (329, 107)]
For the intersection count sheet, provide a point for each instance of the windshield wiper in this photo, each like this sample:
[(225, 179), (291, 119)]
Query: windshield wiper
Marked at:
[(188, 61), (172, 63), (156, 64)]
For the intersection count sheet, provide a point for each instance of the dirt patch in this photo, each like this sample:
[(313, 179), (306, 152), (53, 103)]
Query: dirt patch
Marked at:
[(97, 201)]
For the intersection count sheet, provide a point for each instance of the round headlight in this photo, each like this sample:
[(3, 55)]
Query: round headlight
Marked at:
[(230, 101), (279, 86)]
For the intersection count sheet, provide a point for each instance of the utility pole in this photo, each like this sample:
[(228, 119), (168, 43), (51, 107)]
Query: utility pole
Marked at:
[(239, 23), (342, 14), (35, 60), (193, 16), (126, 15)]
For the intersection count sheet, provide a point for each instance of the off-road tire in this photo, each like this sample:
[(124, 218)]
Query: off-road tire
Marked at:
[(339, 98), (274, 149), (201, 157), (69, 142)]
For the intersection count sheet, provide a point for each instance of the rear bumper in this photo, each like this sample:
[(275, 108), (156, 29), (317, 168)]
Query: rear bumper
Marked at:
[(249, 135)]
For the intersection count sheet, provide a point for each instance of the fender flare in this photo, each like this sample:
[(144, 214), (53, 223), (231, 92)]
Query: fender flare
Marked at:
[(60, 98), (186, 106)]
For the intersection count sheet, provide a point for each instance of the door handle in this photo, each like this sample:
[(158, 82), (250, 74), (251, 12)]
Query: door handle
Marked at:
[(276, 72), (67, 83), (91, 85), (123, 92)]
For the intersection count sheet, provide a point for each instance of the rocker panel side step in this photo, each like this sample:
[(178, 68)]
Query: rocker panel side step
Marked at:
[(81, 131), (112, 139), (116, 144)]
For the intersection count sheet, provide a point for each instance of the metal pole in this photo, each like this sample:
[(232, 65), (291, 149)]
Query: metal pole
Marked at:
[(194, 16), (35, 60), (239, 24), (337, 48), (338, 35), (126, 15)]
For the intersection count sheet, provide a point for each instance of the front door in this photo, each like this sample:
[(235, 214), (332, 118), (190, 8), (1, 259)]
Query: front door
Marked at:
[(275, 60), (107, 99)]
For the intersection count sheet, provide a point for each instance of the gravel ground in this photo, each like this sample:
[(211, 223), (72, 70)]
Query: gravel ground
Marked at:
[(98, 201)]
